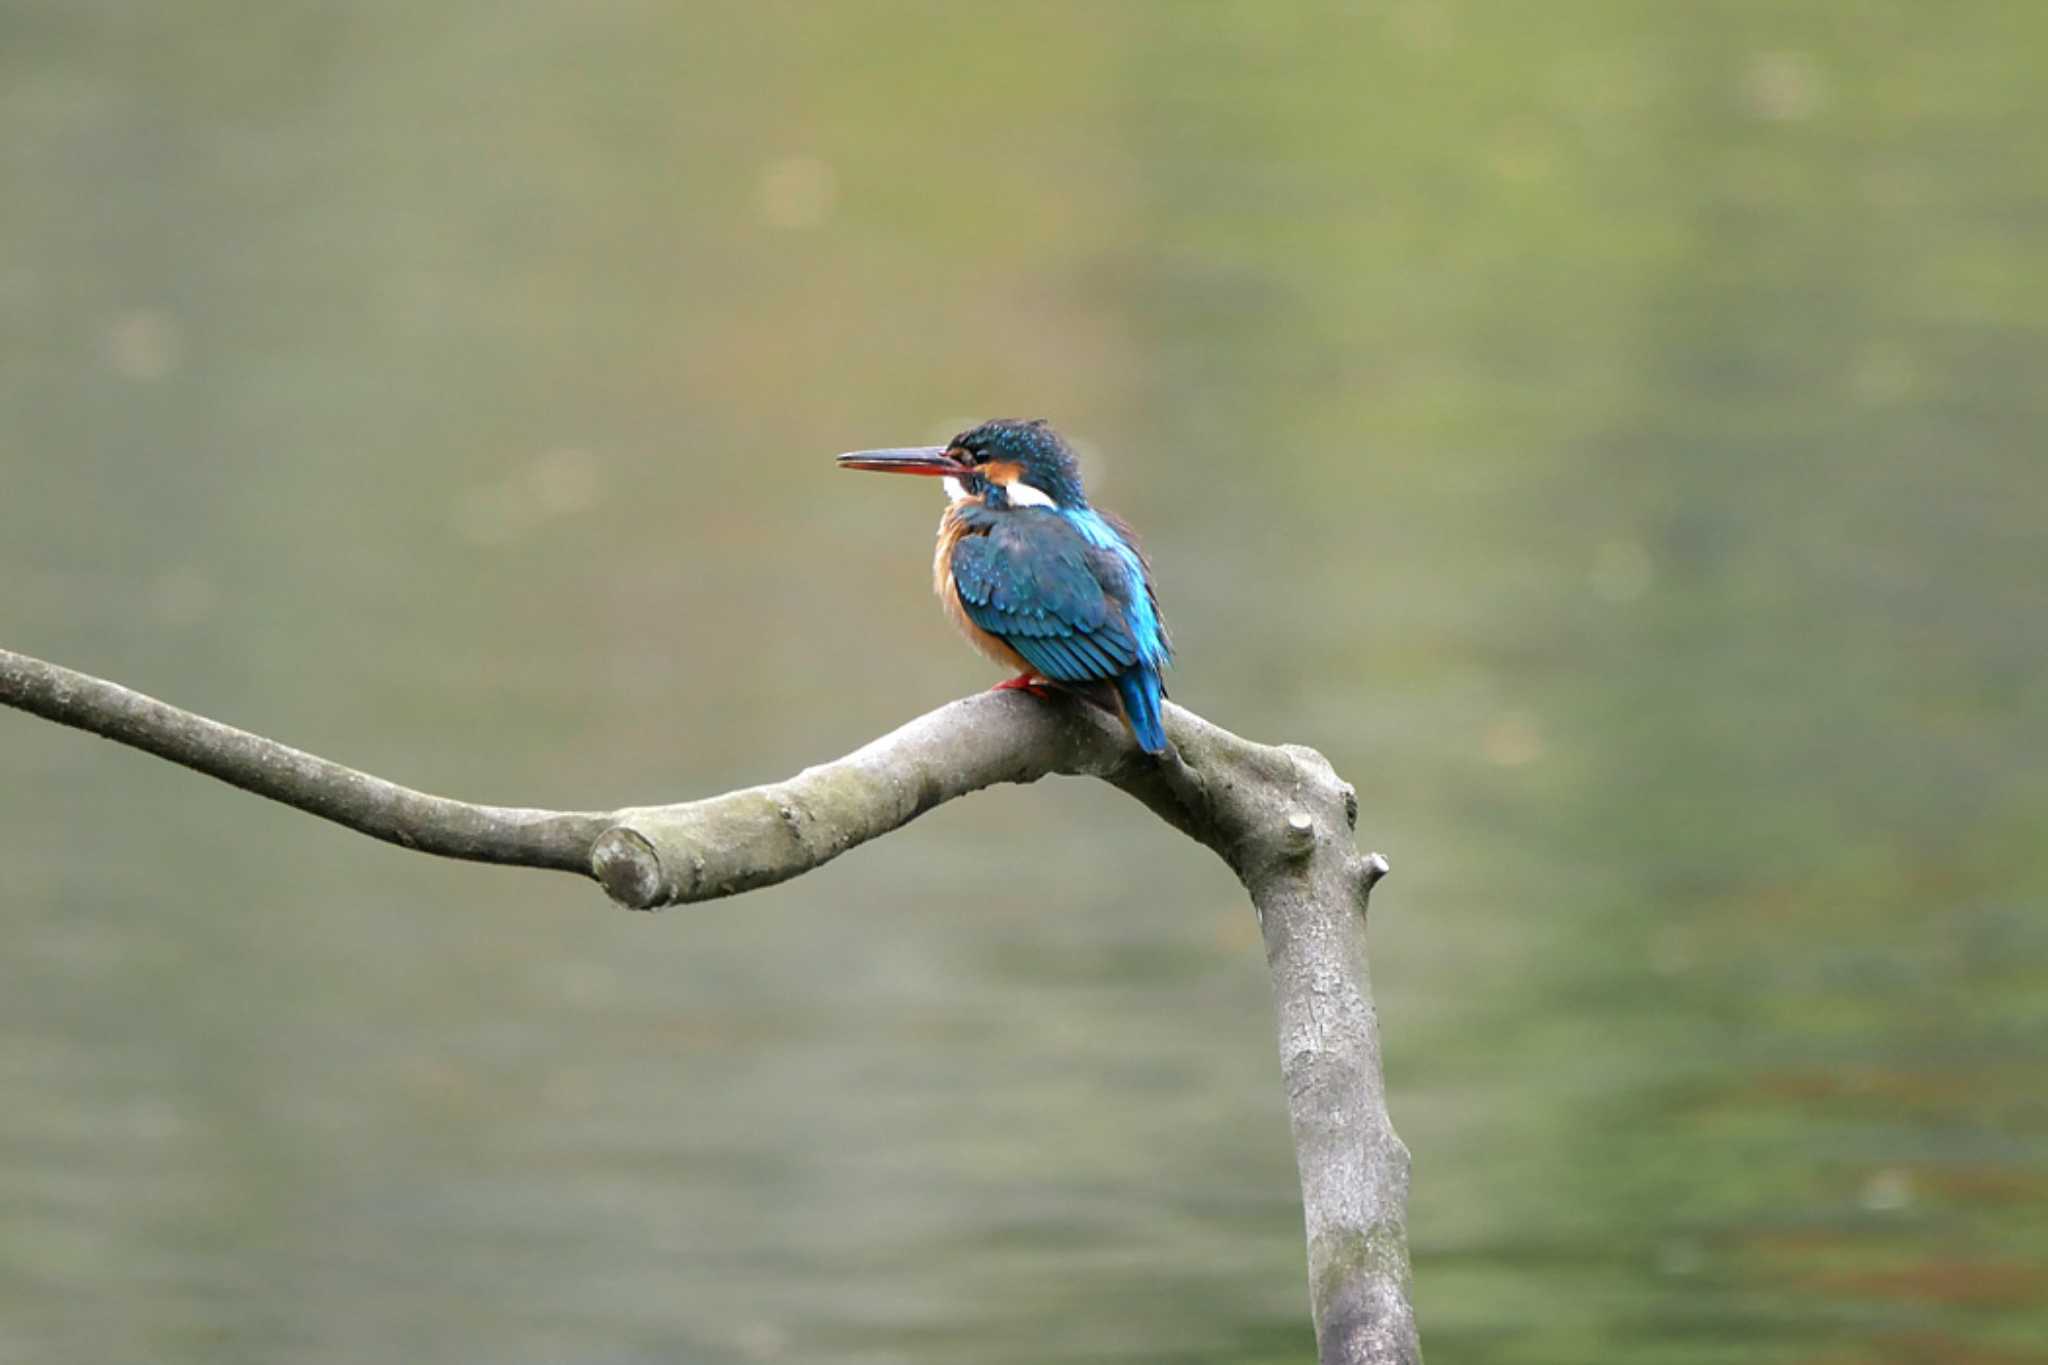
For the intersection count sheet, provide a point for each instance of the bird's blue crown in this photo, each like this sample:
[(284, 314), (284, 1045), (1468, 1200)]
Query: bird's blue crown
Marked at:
[(1048, 461)]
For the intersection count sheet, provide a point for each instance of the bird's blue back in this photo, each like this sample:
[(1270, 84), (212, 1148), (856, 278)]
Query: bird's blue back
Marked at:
[(1067, 590), (1140, 687)]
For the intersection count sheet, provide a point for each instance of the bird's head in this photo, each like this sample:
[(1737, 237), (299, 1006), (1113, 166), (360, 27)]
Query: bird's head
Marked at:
[(1006, 463)]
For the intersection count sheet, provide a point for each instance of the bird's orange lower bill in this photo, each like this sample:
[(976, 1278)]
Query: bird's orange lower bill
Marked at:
[(931, 460)]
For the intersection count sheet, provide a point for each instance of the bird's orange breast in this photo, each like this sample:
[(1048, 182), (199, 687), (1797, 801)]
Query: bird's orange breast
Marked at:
[(951, 530)]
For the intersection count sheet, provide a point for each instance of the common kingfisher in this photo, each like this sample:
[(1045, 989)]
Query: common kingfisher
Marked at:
[(1036, 578)]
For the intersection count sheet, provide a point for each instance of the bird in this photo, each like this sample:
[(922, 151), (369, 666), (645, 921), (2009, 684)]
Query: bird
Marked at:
[(1036, 577)]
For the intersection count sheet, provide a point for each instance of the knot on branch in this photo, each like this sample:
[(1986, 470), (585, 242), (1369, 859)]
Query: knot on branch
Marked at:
[(629, 870), (1299, 838)]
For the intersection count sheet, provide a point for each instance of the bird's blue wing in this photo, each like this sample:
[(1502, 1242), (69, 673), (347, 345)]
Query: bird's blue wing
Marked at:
[(1039, 584)]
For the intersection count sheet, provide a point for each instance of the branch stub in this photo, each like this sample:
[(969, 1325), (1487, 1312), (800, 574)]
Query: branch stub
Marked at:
[(1300, 836), (625, 865)]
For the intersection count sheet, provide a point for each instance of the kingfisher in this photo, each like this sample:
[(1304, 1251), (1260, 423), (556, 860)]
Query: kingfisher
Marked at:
[(1036, 578)]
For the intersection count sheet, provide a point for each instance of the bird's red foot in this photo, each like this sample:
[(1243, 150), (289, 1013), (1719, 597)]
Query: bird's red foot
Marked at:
[(1026, 682)]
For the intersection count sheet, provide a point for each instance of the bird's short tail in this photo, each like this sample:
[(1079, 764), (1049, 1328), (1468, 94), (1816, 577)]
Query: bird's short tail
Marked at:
[(1141, 693)]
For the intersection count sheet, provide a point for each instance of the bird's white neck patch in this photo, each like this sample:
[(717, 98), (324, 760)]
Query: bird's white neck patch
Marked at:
[(1024, 495), (1020, 494)]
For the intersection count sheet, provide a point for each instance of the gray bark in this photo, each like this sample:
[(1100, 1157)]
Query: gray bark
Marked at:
[(1279, 816)]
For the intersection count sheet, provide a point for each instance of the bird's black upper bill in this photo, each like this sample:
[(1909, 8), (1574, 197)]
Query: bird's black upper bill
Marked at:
[(932, 460)]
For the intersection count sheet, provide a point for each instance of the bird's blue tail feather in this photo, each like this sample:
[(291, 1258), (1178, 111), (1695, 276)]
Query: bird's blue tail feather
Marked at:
[(1140, 690)]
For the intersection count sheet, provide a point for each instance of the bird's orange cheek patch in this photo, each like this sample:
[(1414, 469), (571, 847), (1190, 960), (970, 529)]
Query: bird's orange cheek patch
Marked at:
[(1009, 475)]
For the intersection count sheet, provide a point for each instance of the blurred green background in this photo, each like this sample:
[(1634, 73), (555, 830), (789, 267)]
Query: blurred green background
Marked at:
[(1612, 432)]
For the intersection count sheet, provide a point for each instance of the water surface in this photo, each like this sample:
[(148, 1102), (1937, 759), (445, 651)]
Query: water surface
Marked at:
[(1612, 435)]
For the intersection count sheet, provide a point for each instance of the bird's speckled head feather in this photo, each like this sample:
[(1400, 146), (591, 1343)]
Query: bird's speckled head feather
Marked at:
[(1026, 457)]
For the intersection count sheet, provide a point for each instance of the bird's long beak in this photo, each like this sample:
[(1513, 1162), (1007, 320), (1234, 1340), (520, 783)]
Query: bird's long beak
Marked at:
[(931, 460)]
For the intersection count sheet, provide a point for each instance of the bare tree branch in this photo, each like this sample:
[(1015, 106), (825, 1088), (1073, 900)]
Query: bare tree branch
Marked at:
[(1280, 817), (369, 805)]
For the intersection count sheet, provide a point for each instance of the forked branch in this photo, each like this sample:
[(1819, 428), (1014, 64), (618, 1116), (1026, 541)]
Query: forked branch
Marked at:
[(1280, 817)]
